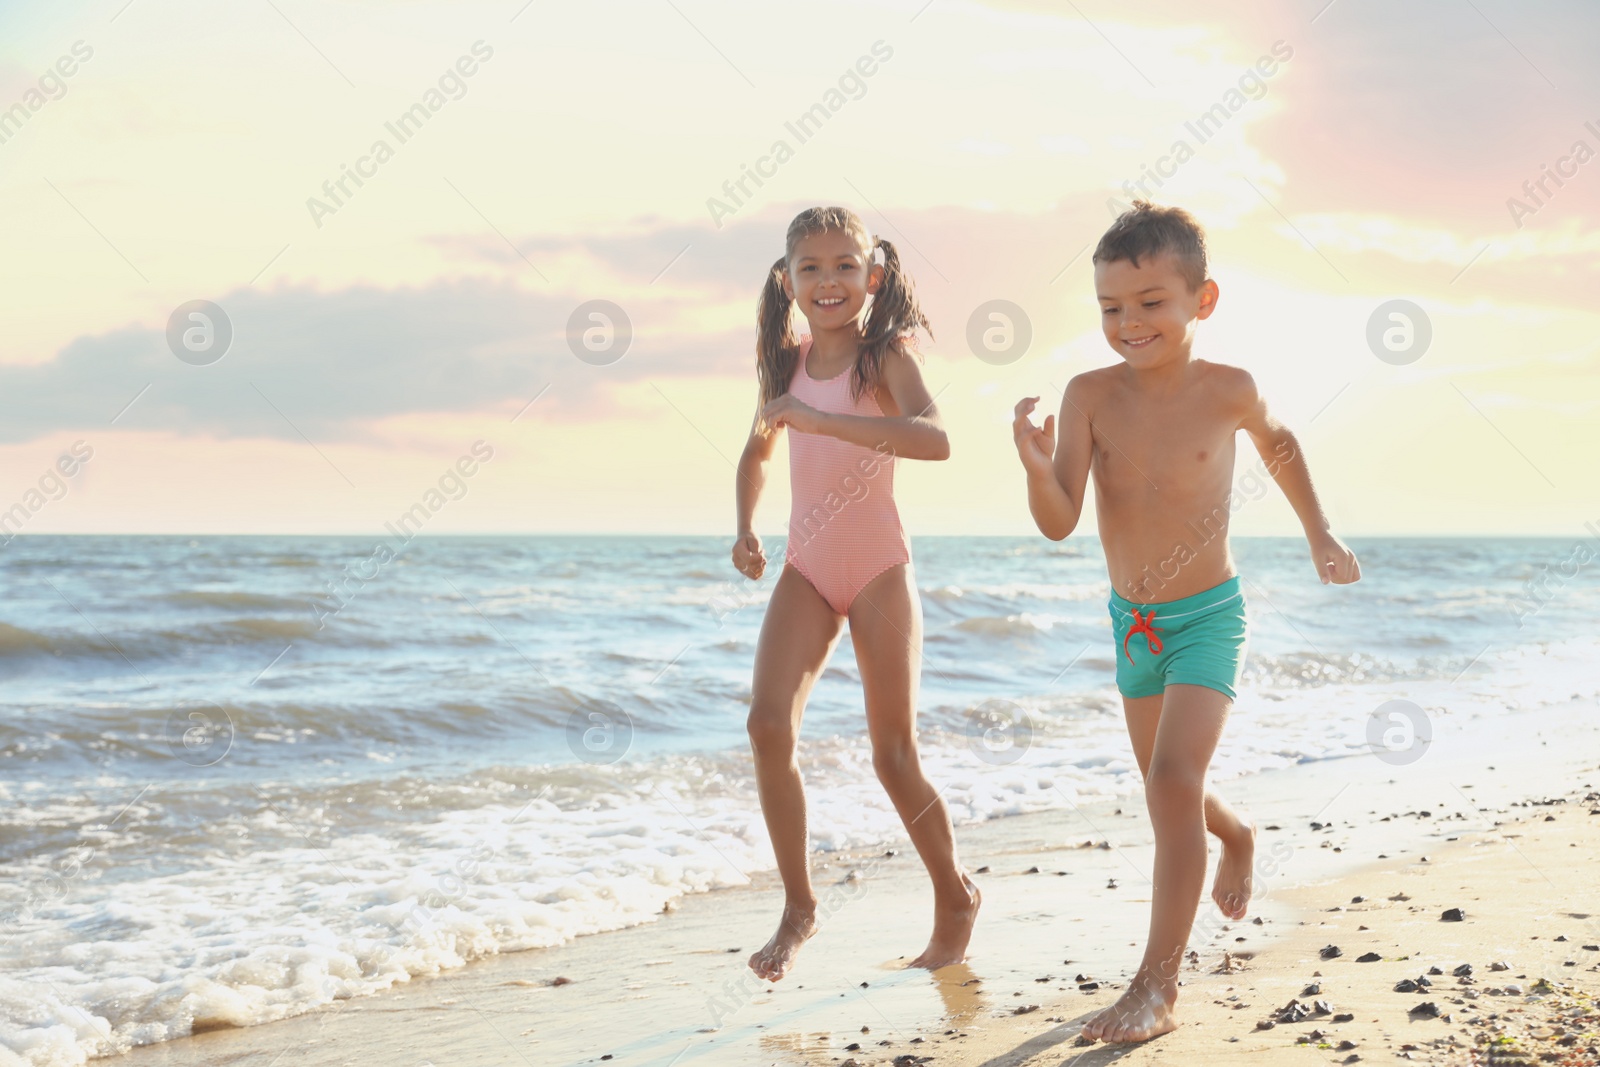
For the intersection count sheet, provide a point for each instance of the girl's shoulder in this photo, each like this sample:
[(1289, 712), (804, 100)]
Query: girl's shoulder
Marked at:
[(903, 347)]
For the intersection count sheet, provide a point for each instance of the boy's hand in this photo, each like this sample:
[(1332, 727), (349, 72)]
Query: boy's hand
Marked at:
[(793, 413), (1036, 447), (1335, 562), (748, 558)]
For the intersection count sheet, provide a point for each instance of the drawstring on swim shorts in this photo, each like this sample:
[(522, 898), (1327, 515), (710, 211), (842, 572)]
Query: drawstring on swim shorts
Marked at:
[(1142, 625)]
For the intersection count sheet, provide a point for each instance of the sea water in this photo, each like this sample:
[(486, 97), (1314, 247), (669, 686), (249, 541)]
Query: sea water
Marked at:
[(244, 777)]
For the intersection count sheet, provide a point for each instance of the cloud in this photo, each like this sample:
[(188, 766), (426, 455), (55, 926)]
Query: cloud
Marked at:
[(330, 365), (327, 364), (1430, 110), (1426, 244), (730, 263)]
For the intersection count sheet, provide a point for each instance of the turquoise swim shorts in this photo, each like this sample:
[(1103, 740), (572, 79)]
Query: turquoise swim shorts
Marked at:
[(1199, 640)]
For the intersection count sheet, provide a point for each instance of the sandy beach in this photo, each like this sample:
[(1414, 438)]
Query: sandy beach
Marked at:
[(1356, 853)]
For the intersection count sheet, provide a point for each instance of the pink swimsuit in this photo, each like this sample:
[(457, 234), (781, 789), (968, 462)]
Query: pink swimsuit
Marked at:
[(844, 529)]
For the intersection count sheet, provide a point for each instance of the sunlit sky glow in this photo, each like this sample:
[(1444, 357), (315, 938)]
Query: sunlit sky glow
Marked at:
[(373, 345)]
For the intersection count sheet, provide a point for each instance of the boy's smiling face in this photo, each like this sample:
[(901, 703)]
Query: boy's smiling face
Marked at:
[(830, 277), (1148, 312)]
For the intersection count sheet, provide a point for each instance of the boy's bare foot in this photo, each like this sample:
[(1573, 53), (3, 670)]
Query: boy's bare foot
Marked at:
[(773, 961), (1146, 1010), (952, 929), (1234, 882)]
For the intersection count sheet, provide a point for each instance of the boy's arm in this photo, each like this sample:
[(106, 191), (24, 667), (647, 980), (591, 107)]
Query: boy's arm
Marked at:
[(1280, 451), (748, 557), (916, 433), (1057, 475)]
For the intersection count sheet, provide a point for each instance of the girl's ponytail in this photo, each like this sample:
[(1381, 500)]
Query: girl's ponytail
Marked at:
[(777, 346), (894, 317)]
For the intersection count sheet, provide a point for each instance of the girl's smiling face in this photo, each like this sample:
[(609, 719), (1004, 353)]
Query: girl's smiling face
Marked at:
[(1148, 312), (830, 276)]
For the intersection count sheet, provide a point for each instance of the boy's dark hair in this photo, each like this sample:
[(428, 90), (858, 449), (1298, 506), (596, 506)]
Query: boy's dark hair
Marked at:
[(1148, 230)]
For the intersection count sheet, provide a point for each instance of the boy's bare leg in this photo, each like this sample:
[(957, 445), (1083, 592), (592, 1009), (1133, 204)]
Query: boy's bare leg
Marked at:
[(797, 636), (1186, 735), (1232, 888), (886, 628)]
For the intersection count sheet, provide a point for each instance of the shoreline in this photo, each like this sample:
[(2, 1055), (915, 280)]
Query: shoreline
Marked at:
[(675, 991)]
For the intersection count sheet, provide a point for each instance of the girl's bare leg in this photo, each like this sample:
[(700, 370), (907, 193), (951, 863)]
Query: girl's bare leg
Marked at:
[(886, 629), (1186, 735), (797, 636)]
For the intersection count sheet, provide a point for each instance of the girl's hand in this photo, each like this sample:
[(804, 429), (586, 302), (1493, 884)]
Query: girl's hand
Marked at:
[(795, 414), (1036, 447), (1336, 564), (748, 558)]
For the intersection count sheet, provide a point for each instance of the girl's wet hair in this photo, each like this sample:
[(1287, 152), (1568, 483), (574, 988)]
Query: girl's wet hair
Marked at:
[(1146, 229), (894, 318)]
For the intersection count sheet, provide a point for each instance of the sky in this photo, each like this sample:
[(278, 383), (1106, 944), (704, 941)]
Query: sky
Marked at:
[(156, 153)]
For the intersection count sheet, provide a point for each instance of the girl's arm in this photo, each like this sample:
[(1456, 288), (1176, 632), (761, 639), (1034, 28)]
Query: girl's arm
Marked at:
[(748, 557), (916, 433), (1057, 477), (1280, 451)]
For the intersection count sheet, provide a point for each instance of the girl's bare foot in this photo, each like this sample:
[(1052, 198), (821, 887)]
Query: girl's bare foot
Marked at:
[(1146, 1010), (1233, 886), (773, 961), (952, 929)]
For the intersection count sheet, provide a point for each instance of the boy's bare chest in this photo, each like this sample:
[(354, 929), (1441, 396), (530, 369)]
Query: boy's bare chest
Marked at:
[(1165, 447)]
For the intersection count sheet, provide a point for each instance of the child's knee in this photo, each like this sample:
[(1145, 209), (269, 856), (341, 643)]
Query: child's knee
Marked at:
[(894, 759), (1174, 792), (771, 733)]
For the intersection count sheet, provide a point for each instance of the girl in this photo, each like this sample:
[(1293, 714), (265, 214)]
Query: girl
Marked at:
[(853, 398)]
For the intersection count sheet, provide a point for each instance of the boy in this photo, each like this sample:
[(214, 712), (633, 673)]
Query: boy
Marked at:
[(1157, 431)]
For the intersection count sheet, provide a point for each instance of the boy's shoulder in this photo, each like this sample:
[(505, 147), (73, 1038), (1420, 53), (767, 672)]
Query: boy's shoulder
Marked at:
[(1224, 376), (1096, 381), (1233, 387)]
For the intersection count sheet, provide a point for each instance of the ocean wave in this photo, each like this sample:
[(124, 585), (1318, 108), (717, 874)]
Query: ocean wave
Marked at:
[(1007, 626), (1011, 592), (259, 733), (234, 599), (270, 632), (15, 641)]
